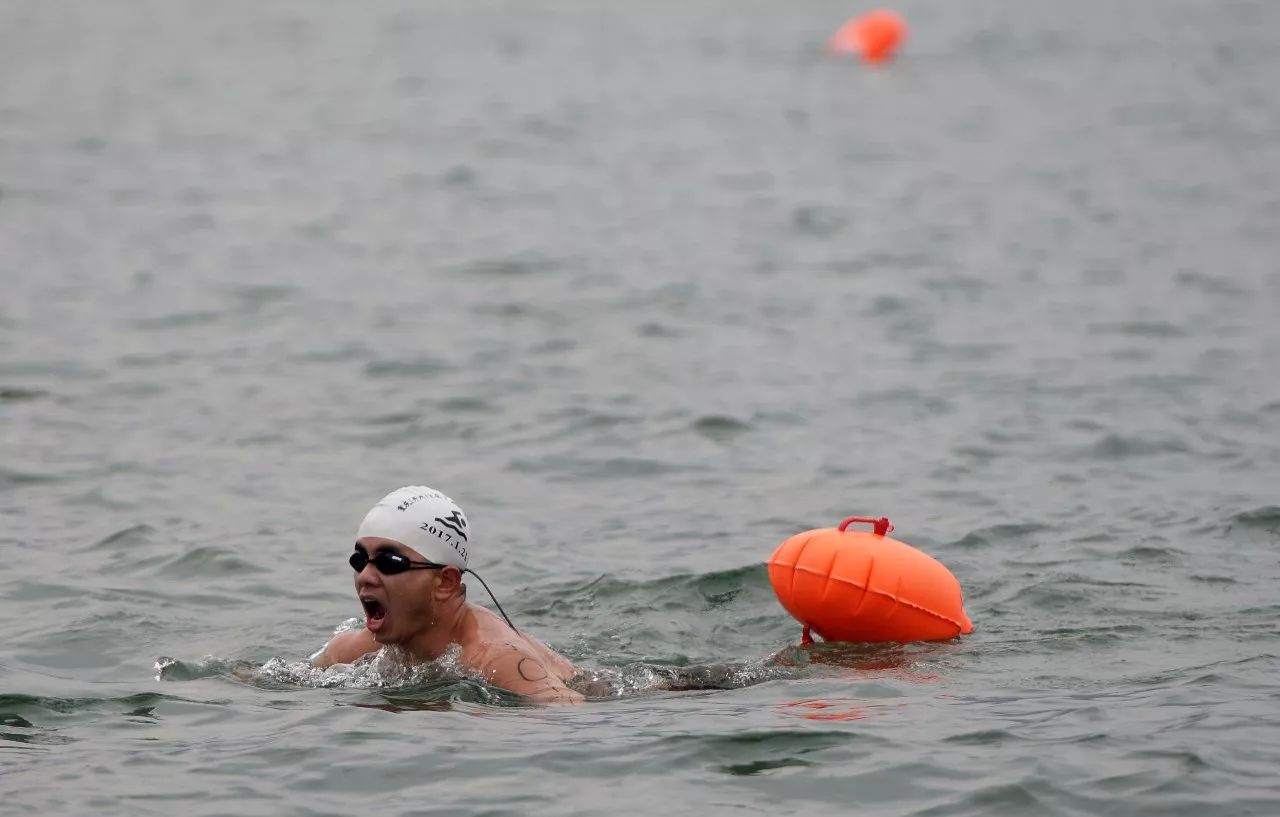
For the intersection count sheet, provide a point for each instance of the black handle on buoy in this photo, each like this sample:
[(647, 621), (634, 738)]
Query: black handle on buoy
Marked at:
[(880, 526)]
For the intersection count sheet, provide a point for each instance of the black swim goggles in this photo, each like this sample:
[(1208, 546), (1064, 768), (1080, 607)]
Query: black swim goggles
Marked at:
[(388, 563)]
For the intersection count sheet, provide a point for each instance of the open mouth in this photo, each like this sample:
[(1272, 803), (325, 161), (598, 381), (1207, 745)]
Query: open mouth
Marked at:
[(374, 612)]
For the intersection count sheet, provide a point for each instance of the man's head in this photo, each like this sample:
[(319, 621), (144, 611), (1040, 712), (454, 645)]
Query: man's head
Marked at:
[(409, 556), (423, 519)]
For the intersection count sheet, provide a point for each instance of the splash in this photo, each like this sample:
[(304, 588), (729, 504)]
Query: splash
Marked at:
[(388, 668), (407, 682)]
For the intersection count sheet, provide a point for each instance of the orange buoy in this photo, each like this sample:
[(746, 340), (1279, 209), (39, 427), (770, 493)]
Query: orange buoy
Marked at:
[(852, 585), (874, 36)]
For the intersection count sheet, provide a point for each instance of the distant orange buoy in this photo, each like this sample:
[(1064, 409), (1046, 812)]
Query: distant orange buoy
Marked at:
[(851, 585), (874, 36)]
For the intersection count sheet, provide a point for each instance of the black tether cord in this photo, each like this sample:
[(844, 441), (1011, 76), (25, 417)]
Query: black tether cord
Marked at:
[(495, 598)]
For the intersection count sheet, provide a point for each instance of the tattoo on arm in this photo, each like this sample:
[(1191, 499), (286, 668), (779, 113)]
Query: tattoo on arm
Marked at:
[(531, 670)]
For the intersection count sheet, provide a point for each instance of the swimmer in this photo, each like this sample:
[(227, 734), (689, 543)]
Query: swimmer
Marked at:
[(410, 553)]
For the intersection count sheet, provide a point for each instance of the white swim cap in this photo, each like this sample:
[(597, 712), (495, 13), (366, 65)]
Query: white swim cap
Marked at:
[(425, 520)]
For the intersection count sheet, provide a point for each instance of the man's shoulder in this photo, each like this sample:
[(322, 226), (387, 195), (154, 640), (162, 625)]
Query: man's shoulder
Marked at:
[(516, 665), (486, 649), (346, 647), (517, 662), (498, 649), (485, 634)]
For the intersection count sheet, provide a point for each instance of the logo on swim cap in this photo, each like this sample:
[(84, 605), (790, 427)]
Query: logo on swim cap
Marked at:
[(425, 520), (456, 522)]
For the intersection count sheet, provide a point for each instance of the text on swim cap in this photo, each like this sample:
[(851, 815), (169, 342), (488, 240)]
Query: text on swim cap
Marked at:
[(404, 506), (448, 538)]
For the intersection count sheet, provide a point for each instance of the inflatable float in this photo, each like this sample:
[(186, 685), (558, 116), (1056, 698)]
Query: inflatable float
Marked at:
[(857, 585)]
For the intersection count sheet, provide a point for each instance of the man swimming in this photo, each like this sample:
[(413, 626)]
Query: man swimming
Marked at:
[(411, 551)]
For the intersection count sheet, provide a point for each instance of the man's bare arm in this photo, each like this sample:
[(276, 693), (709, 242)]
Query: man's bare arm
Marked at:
[(520, 672), (345, 648)]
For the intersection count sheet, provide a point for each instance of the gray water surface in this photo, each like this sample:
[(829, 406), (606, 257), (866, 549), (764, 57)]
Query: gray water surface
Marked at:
[(647, 288)]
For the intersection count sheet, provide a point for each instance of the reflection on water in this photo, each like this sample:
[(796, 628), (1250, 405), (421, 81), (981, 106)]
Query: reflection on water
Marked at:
[(830, 709), (899, 661)]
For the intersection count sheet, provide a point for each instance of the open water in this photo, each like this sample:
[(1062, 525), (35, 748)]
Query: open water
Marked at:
[(648, 288)]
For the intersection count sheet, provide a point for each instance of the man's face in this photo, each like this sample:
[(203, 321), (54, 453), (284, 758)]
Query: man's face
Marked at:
[(396, 607)]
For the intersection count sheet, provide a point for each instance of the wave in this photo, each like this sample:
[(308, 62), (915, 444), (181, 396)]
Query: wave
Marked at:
[(1266, 518), (14, 704)]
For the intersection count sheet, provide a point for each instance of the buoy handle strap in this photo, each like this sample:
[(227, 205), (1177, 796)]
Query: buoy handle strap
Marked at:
[(879, 527)]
